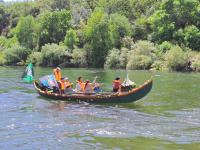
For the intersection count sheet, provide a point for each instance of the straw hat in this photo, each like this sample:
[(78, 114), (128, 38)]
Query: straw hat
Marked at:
[(57, 68)]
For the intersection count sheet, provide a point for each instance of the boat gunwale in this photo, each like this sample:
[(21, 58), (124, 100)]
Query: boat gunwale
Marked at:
[(94, 95)]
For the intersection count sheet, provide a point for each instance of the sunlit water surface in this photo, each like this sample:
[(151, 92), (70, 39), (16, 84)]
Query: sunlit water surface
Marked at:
[(167, 118)]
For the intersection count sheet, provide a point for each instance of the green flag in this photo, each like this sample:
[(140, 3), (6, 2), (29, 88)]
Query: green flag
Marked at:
[(28, 73)]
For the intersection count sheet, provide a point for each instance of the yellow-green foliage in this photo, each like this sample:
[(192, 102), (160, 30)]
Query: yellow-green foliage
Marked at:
[(54, 55), (35, 58), (123, 57), (71, 38), (8, 42), (112, 60), (79, 57), (1, 58), (16, 54), (141, 56), (176, 58), (139, 62), (195, 62)]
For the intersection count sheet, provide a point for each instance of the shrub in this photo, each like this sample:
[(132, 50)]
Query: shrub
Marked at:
[(123, 57), (1, 58), (157, 65), (195, 62), (127, 42), (176, 59), (79, 57), (35, 58), (164, 47), (112, 60), (71, 38), (136, 61), (54, 55), (141, 56), (192, 37), (144, 48), (8, 43), (16, 54)]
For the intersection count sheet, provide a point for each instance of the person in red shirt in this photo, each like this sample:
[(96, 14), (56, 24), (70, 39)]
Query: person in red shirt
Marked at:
[(117, 84)]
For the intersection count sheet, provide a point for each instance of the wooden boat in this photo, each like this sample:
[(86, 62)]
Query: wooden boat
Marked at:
[(102, 97)]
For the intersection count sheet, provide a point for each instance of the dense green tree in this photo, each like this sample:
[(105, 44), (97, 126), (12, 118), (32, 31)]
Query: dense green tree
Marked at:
[(4, 18), (112, 60), (119, 28), (132, 9), (141, 56), (79, 57), (53, 4), (16, 54), (6, 43), (60, 4), (26, 32), (98, 37), (71, 38), (53, 26), (54, 55), (192, 37), (173, 16), (122, 7), (176, 59)]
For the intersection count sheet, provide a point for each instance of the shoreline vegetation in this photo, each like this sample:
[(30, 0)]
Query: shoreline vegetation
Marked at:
[(115, 34)]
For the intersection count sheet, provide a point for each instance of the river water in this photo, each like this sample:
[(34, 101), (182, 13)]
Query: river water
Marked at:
[(167, 118)]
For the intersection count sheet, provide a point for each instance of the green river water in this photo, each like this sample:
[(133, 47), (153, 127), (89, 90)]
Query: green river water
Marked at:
[(167, 118)]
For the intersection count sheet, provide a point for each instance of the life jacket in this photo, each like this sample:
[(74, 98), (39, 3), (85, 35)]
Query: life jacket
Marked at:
[(79, 85), (62, 85), (116, 84), (68, 84), (88, 88), (57, 74)]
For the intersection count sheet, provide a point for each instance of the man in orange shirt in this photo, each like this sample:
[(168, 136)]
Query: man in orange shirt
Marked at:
[(117, 84)]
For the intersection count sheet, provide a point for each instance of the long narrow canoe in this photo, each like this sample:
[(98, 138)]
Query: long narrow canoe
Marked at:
[(103, 97)]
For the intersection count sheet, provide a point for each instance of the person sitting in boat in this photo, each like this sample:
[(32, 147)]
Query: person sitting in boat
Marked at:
[(68, 85), (88, 87), (97, 86), (79, 85), (62, 86), (117, 84)]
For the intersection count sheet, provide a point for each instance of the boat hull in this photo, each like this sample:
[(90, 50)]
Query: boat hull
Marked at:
[(124, 97)]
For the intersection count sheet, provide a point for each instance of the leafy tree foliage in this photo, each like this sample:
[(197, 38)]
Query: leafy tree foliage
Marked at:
[(4, 18), (71, 38), (141, 56), (53, 26), (79, 57), (177, 21), (119, 28), (98, 36), (54, 55), (176, 59), (26, 32), (8, 43), (112, 60), (16, 54)]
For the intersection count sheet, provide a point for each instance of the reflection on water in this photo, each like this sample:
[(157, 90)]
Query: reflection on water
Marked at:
[(168, 118)]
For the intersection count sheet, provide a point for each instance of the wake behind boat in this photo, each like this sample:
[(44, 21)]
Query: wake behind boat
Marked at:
[(101, 97)]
